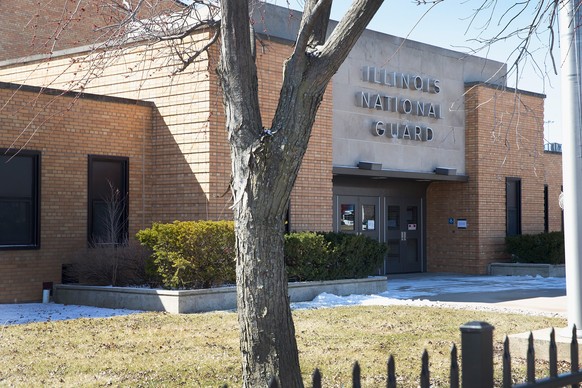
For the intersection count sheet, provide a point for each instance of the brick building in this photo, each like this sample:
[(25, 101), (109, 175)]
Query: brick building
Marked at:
[(427, 152)]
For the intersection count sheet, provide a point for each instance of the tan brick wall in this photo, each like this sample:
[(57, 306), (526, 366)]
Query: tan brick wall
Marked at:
[(65, 130), (180, 175), (553, 178), (31, 27), (191, 155), (311, 198), (504, 138)]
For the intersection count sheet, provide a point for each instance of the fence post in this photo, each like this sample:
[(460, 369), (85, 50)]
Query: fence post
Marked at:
[(477, 354)]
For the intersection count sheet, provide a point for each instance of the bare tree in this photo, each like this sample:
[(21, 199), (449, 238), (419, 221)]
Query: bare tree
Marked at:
[(266, 157), (265, 163), (531, 24)]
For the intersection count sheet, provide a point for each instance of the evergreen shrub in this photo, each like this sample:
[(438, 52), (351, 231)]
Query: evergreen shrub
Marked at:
[(307, 255), (201, 254), (191, 254), (545, 248), (331, 256)]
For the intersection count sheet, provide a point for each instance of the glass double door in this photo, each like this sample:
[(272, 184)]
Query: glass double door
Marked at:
[(394, 221), (359, 215), (403, 235)]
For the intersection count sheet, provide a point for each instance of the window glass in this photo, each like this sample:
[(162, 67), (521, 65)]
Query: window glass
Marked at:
[(348, 216), (546, 210), (393, 219), (16, 173), (412, 217), (513, 206), (411, 214), (108, 191), (19, 200), (368, 217)]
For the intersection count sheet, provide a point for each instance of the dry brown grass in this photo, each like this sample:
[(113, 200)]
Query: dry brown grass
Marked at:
[(201, 350)]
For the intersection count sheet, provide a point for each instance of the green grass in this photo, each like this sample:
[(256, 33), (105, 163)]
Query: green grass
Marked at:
[(201, 350)]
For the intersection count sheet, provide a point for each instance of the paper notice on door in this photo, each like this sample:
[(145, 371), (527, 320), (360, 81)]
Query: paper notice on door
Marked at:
[(371, 224)]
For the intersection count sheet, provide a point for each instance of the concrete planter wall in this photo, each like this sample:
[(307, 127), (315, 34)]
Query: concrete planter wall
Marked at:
[(193, 301), (527, 269)]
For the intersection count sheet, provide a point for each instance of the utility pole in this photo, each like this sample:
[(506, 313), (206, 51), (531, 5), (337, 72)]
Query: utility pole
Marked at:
[(570, 37)]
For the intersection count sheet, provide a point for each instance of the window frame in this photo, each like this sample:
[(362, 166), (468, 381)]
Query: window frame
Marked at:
[(518, 207), (125, 190), (546, 209), (35, 198)]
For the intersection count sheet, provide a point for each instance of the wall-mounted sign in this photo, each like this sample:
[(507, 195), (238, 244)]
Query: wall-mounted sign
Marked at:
[(451, 221), (390, 101), (378, 75), (462, 223), (403, 131), (411, 226)]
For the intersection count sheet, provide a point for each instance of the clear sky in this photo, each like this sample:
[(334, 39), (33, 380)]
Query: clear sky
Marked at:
[(448, 25)]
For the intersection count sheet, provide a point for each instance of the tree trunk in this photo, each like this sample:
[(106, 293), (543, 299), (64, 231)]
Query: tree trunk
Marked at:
[(265, 164), (267, 340)]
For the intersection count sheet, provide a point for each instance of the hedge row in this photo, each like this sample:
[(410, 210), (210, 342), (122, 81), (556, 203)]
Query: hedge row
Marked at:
[(331, 256), (537, 248), (200, 254)]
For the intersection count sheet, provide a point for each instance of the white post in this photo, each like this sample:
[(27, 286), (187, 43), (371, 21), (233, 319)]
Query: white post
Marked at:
[(570, 35)]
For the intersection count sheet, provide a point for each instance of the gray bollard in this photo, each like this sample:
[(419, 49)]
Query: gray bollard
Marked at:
[(477, 354)]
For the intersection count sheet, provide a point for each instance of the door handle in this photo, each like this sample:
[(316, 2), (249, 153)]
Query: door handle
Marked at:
[(403, 236)]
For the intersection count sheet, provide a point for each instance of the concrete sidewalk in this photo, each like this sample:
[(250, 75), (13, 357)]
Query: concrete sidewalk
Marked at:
[(521, 292), (530, 294)]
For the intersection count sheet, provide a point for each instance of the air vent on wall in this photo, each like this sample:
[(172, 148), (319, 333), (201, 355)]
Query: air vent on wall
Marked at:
[(369, 166), (445, 171)]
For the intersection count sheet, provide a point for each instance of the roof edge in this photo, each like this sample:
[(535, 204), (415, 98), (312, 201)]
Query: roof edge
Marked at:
[(424, 176), (73, 94), (505, 88)]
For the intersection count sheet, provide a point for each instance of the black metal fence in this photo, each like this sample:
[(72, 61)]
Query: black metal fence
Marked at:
[(477, 364)]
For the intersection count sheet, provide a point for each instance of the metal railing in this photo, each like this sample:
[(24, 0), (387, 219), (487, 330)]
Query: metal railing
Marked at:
[(477, 364)]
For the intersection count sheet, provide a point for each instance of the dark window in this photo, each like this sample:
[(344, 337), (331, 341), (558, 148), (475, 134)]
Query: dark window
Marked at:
[(546, 213), (513, 206), (108, 200), (288, 220), (19, 197)]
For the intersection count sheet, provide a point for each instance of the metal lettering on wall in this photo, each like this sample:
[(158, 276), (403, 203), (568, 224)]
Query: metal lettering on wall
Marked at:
[(403, 105)]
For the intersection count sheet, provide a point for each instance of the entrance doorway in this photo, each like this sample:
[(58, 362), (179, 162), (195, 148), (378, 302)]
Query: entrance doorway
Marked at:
[(403, 235), (392, 220), (359, 215)]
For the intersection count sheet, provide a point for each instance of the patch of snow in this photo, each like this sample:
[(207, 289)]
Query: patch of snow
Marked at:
[(14, 314), (408, 290)]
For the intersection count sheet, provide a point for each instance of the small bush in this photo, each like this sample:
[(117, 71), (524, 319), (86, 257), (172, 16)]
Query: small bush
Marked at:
[(307, 256), (111, 264), (355, 256), (330, 256), (192, 254), (537, 248)]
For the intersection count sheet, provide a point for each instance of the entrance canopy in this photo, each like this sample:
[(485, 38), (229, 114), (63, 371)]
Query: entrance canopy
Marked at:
[(381, 174)]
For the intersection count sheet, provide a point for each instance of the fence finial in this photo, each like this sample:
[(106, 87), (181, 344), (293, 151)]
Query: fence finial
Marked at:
[(531, 359)]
